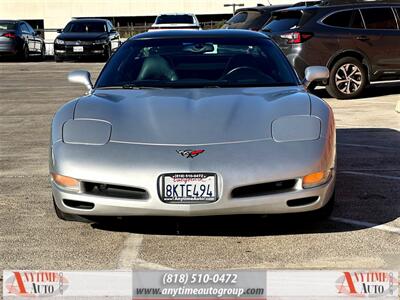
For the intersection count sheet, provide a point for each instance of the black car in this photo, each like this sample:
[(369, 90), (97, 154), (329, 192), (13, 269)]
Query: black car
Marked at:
[(252, 18), (359, 41), (86, 38), (18, 39)]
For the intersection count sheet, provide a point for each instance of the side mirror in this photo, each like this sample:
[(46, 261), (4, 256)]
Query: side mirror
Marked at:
[(59, 30), (82, 77), (37, 33), (315, 73), (113, 30)]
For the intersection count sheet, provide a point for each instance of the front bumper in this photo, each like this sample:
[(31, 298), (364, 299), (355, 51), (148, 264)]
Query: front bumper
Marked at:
[(238, 165), (88, 50)]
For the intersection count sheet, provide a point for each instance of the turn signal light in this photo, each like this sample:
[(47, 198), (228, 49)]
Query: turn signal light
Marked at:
[(315, 179), (65, 181)]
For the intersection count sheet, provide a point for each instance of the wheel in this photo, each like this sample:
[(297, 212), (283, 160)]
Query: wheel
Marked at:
[(43, 52), (58, 58), (66, 216), (348, 78), (107, 52), (322, 213), (24, 54)]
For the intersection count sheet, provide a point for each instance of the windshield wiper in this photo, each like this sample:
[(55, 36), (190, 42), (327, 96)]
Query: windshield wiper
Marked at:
[(128, 87), (132, 86)]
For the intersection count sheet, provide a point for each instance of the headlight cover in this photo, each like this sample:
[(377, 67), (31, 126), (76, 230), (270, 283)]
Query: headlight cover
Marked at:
[(296, 128), (86, 132), (59, 42)]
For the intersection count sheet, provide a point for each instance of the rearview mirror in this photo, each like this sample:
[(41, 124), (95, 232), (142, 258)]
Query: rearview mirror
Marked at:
[(315, 73), (82, 77)]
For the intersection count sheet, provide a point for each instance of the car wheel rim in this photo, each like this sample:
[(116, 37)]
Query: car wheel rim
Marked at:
[(348, 79)]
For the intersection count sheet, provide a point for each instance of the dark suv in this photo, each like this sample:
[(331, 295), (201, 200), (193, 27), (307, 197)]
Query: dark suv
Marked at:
[(359, 41)]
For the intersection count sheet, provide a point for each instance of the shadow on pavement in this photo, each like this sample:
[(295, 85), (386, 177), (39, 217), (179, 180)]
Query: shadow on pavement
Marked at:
[(374, 90), (362, 197)]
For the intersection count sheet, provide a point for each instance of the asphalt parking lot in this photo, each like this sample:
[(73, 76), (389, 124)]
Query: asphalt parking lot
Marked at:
[(364, 231)]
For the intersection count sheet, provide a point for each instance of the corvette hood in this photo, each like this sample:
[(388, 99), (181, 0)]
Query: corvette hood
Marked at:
[(192, 116)]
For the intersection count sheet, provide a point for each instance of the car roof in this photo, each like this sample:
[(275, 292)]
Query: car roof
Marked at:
[(214, 33), (11, 21), (344, 3), (89, 20), (177, 14), (262, 8)]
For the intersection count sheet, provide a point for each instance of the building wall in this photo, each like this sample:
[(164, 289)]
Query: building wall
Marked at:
[(56, 13)]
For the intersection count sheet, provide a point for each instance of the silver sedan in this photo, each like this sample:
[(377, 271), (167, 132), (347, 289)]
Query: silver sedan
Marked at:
[(194, 123)]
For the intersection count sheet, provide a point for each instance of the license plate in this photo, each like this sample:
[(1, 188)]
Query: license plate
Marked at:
[(189, 188), (78, 48)]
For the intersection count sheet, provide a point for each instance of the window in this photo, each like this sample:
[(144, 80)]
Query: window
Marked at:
[(283, 21), (24, 28), (379, 18), (238, 18), (196, 63), (90, 26), (339, 19), (174, 19), (7, 26), (357, 20)]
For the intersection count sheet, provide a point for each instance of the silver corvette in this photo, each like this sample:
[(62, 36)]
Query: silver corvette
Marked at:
[(192, 124)]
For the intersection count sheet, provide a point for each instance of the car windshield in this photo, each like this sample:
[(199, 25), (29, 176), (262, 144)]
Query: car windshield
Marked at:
[(7, 25), (174, 19), (197, 62), (86, 27)]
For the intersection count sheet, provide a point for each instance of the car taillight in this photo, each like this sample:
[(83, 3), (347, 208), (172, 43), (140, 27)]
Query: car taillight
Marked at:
[(9, 35), (296, 37)]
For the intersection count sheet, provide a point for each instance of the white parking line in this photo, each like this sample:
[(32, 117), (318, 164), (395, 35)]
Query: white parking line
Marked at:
[(369, 146), (129, 256), (371, 175), (130, 253), (386, 228)]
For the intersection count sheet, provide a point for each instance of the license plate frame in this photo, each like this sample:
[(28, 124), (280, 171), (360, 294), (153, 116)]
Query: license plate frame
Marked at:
[(209, 179), (78, 49)]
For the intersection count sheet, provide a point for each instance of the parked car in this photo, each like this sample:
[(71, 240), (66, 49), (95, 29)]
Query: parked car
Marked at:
[(194, 123), (18, 39), (86, 38), (252, 18), (176, 21), (357, 41)]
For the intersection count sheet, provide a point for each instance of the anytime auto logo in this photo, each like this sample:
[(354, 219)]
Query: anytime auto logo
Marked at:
[(190, 153), (367, 284), (35, 284)]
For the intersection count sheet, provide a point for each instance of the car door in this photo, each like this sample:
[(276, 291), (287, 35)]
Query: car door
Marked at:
[(27, 36), (380, 40)]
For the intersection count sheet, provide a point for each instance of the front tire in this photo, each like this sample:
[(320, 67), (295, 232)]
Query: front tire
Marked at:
[(58, 59), (322, 213), (348, 78), (24, 54), (66, 216)]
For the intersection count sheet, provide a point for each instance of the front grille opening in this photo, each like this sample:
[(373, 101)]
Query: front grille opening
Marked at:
[(78, 204), (263, 189), (116, 191), (302, 201)]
